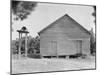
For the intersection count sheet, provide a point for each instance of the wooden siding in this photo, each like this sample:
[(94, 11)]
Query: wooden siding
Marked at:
[(66, 26), (65, 32)]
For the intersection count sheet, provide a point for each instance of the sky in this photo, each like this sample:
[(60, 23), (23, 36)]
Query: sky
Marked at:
[(45, 13)]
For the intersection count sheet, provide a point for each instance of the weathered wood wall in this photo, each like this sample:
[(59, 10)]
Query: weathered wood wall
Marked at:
[(65, 32)]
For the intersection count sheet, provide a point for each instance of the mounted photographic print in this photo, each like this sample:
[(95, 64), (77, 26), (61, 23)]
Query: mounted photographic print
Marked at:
[(52, 37)]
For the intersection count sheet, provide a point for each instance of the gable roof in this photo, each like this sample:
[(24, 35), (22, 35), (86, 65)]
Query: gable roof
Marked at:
[(61, 18)]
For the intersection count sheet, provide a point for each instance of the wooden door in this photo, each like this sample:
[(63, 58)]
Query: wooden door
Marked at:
[(53, 48), (79, 46)]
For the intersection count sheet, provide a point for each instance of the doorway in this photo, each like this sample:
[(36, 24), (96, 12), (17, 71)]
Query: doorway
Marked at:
[(79, 46), (53, 48)]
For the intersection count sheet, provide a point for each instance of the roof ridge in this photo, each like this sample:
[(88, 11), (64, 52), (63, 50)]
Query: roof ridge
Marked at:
[(50, 24), (59, 19), (78, 23)]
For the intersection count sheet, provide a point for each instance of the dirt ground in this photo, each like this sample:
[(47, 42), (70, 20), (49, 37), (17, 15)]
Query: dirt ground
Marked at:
[(28, 65)]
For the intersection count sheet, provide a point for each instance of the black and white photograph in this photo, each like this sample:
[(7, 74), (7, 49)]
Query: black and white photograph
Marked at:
[(52, 37)]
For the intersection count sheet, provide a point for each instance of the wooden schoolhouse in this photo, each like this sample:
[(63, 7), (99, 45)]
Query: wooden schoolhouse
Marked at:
[(64, 37)]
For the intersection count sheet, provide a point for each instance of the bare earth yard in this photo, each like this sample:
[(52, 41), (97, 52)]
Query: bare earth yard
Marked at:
[(28, 65)]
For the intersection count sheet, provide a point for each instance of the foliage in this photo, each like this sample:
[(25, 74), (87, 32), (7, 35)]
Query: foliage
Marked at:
[(92, 43), (37, 43), (15, 46), (21, 9), (93, 38), (34, 56), (94, 13), (33, 45)]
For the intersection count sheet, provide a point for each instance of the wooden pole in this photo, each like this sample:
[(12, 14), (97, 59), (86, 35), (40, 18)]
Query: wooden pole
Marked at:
[(19, 46), (20, 43), (26, 46)]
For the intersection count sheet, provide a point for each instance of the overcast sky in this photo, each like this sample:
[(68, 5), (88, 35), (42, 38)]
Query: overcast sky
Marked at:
[(45, 14)]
